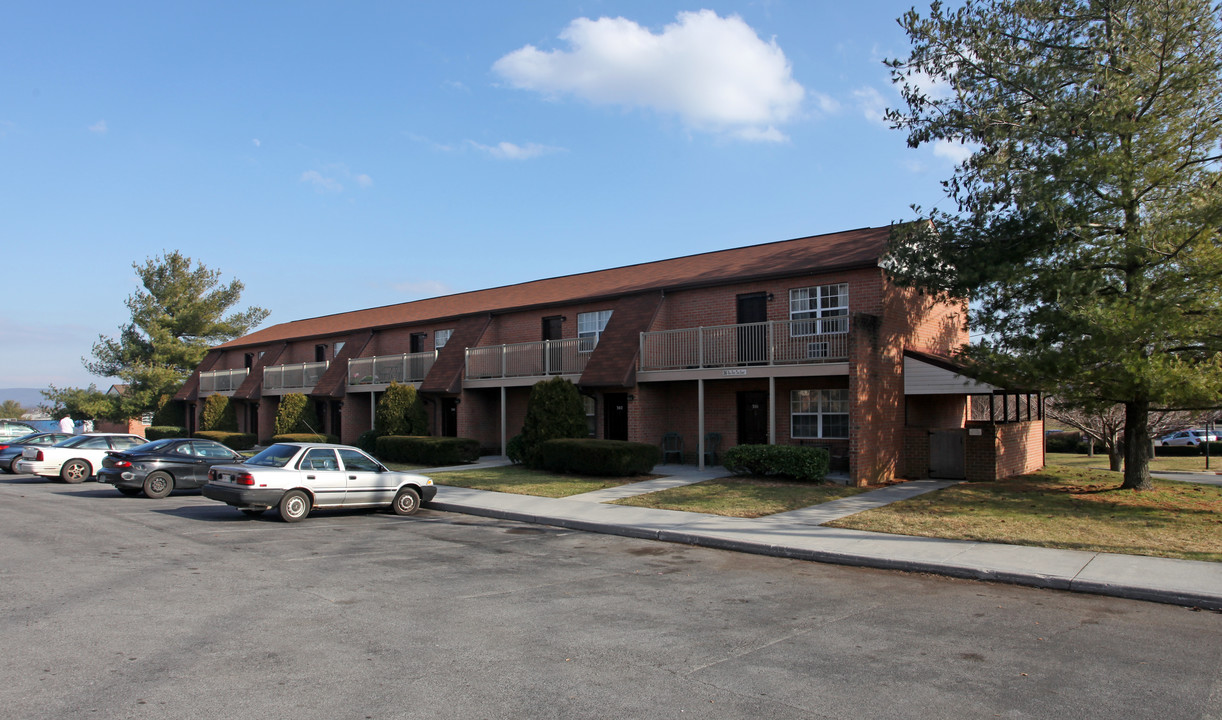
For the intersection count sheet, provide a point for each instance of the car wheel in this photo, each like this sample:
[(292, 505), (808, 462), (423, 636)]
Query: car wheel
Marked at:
[(252, 512), (158, 484), (294, 506), (407, 502), (130, 492), (75, 471)]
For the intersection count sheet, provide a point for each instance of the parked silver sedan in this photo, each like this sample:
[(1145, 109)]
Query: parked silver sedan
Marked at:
[(296, 478)]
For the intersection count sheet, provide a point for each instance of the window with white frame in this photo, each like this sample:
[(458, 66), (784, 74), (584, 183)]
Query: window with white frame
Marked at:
[(440, 338), (818, 414), (591, 408), (825, 306), (590, 327)]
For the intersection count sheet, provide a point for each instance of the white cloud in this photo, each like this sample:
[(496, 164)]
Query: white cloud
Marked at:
[(872, 105), (256, 142), (99, 127), (512, 151), (956, 152), (364, 180), (321, 183), (715, 73)]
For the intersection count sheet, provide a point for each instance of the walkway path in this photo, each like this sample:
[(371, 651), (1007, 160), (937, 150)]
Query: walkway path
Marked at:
[(799, 534)]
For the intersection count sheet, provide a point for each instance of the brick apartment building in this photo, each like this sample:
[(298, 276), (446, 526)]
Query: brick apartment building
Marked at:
[(804, 341)]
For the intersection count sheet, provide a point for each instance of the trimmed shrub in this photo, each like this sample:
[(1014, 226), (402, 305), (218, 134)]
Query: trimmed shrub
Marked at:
[(368, 441), (1215, 449), (295, 415), (218, 414), (169, 413), (554, 411), (425, 450), (307, 437), (515, 450), (809, 464), (400, 412), (603, 458), (159, 432), (232, 440)]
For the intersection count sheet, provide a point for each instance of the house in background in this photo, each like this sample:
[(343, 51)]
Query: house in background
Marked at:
[(135, 426), (804, 342)]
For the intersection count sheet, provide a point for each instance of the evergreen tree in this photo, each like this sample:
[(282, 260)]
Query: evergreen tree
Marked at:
[(1088, 212), (400, 412), (179, 312), (553, 411)]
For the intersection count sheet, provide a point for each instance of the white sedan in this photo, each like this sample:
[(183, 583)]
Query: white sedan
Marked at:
[(75, 459), (296, 478)]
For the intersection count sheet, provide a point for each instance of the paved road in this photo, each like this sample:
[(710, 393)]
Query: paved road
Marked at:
[(131, 608)]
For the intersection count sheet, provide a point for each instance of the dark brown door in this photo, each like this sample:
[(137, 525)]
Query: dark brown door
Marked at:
[(752, 339), (552, 327), (417, 343), (947, 454), (253, 424), (615, 416), (449, 417), (753, 418), (337, 428)]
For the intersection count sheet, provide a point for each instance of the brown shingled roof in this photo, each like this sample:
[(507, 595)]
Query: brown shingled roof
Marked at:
[(819, 253)]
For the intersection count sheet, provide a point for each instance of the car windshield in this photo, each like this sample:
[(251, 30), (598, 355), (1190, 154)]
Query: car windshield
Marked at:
[(151, 446), (274, 456)]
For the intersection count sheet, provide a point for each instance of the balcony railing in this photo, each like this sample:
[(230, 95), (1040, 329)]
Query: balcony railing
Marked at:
[(532, 359), (298, 376), (385, 369), (785, 342), (215, 381)]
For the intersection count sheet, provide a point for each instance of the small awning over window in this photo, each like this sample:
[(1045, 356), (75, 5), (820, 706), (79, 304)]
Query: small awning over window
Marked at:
[(926, 374)]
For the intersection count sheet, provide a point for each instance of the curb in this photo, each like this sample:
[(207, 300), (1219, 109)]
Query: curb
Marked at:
[(1129, 592)]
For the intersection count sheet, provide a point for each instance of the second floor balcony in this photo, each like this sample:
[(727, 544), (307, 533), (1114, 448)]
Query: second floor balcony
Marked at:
[(212, 382), (786, 342), (370, 373), (297, 377), (531, 359)]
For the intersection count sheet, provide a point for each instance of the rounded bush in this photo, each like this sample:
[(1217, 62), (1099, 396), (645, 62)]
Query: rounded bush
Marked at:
[(792, 461)]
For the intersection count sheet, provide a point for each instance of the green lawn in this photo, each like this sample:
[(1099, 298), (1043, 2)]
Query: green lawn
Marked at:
[(523, 481), (1064, 507), (746, 497), (1191, 464)]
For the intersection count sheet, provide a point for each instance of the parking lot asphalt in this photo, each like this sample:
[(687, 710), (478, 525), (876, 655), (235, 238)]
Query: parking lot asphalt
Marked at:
[(799, 534), (122, 607)]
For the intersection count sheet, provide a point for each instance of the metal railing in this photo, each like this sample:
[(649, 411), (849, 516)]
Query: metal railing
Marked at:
[(784, 342), (215, 381), (532, 359), (298, 376), (385, 369)]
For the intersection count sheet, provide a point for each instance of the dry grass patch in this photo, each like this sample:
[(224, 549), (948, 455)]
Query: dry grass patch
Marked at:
[(524, 481), (746, 497), (1064, 507)]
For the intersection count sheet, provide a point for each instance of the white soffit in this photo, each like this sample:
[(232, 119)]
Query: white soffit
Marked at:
[(922, 378)]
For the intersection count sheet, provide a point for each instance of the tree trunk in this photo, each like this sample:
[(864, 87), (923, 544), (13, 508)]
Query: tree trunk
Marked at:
[(1137, 446), (1114, 458)]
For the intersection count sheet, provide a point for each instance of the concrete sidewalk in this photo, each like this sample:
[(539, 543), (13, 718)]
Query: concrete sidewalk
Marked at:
[(799, 534)]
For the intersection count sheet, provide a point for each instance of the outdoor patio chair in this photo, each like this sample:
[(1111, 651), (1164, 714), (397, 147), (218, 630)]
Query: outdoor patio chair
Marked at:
[(712, 445), (672, 444)]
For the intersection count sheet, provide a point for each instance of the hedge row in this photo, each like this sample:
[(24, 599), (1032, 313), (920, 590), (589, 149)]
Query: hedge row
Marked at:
[(605, 458), (232, 440), (302, 437), (160, 432), (424, 450), (792, 461)]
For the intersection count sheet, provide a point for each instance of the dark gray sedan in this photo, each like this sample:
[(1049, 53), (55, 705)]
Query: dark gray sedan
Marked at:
[(10, 450), (160, 467)]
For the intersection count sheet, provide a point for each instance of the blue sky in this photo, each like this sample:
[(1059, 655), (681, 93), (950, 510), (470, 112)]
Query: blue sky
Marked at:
[(337, 156)]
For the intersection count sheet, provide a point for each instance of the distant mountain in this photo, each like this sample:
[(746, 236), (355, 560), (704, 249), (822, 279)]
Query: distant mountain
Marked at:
[(29, 398)]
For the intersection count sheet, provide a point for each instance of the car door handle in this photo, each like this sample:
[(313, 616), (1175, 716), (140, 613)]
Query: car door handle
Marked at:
[(352, 477), (309, 477)]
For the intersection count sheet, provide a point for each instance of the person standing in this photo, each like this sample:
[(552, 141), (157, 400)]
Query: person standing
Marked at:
[(65, 424)]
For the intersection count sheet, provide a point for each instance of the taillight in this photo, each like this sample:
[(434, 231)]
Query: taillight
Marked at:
[(122, 463), (38, 455), (3, 447), (244, 479)]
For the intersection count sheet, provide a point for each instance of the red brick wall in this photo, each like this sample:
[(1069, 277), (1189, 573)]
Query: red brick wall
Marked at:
[(936, 411), (132, 426), (1004, 450)]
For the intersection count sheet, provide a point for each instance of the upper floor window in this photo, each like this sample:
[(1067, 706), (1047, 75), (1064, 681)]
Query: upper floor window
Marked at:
[(825, 306), (590, 327), (338, 347), (440, 338)]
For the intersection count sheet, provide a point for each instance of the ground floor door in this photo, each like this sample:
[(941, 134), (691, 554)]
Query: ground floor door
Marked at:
[(753, 418), (337, 415), (615, 416), (947, 453), (449, 417), (252, 423)]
